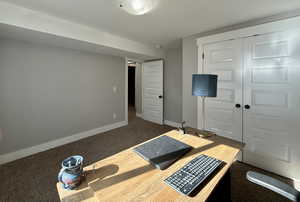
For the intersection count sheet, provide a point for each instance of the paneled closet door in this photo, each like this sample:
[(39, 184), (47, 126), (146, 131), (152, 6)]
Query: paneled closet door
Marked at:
[(223, 114), (272, 95)]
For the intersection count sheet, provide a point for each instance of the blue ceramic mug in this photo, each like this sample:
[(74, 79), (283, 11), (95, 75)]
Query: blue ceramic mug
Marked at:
[(71, 172)]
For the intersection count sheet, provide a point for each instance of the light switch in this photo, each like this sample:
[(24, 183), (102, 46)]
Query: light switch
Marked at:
[(114, 115), (115, 89)]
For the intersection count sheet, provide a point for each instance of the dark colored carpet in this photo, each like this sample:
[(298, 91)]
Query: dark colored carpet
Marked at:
[(34, 178)]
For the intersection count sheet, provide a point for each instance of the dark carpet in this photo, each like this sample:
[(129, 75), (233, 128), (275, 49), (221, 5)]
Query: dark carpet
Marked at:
[(34, 178)]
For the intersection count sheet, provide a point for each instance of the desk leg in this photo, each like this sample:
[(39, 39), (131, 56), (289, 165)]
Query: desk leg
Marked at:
[(222, 192)]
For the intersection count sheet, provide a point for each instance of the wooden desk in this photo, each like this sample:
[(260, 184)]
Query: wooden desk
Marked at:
[(127, 177)]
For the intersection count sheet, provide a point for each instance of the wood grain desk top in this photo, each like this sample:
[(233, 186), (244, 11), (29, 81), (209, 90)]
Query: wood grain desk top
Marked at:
[(127, 177)]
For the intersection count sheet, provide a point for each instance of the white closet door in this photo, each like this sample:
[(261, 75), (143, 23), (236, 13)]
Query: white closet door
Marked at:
[(222, 115), (153, 80), (272, 91)]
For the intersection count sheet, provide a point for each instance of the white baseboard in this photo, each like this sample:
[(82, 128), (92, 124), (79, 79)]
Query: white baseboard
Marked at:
[(139, 115), (5, 158), (171, 123), (239, 156), (297, 184)]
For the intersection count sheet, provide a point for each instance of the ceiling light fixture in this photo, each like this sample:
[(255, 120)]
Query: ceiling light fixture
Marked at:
[(138, 7)]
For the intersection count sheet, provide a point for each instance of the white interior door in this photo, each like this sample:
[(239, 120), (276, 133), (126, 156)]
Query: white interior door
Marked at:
[(222, 115), (272, 82), (153, 91)]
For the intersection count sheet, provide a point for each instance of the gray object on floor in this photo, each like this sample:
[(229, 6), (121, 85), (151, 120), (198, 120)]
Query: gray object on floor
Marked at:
[(163, 151), (274, 185)]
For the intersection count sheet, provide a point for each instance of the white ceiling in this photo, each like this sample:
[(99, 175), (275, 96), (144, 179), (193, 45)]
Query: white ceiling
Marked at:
[(169, 21)]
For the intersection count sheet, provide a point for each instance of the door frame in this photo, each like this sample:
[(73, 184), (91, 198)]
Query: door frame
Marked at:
[(277, 26), (126, 84), (136, 87)]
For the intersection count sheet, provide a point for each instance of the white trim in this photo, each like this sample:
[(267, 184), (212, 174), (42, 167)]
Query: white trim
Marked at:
[(135, 60), (138, 96), (277, 26), (142, 88), (126, 85), (297, 184), (135, 87), (126, 89), (5, 158), (139, 115), (171, 123)]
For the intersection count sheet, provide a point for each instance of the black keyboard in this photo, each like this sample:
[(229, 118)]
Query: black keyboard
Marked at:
[(189, 177)]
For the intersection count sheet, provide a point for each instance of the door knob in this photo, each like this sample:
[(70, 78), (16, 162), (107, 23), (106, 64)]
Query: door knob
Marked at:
[(238, 106), (160, 97), (247, 106)]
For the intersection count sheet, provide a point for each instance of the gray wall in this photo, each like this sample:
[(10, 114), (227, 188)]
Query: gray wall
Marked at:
[(190, 61), (189, 67), (48, 93), (173, 85)]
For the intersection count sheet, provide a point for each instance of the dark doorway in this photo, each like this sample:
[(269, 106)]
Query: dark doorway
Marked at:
[(131, 86)]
